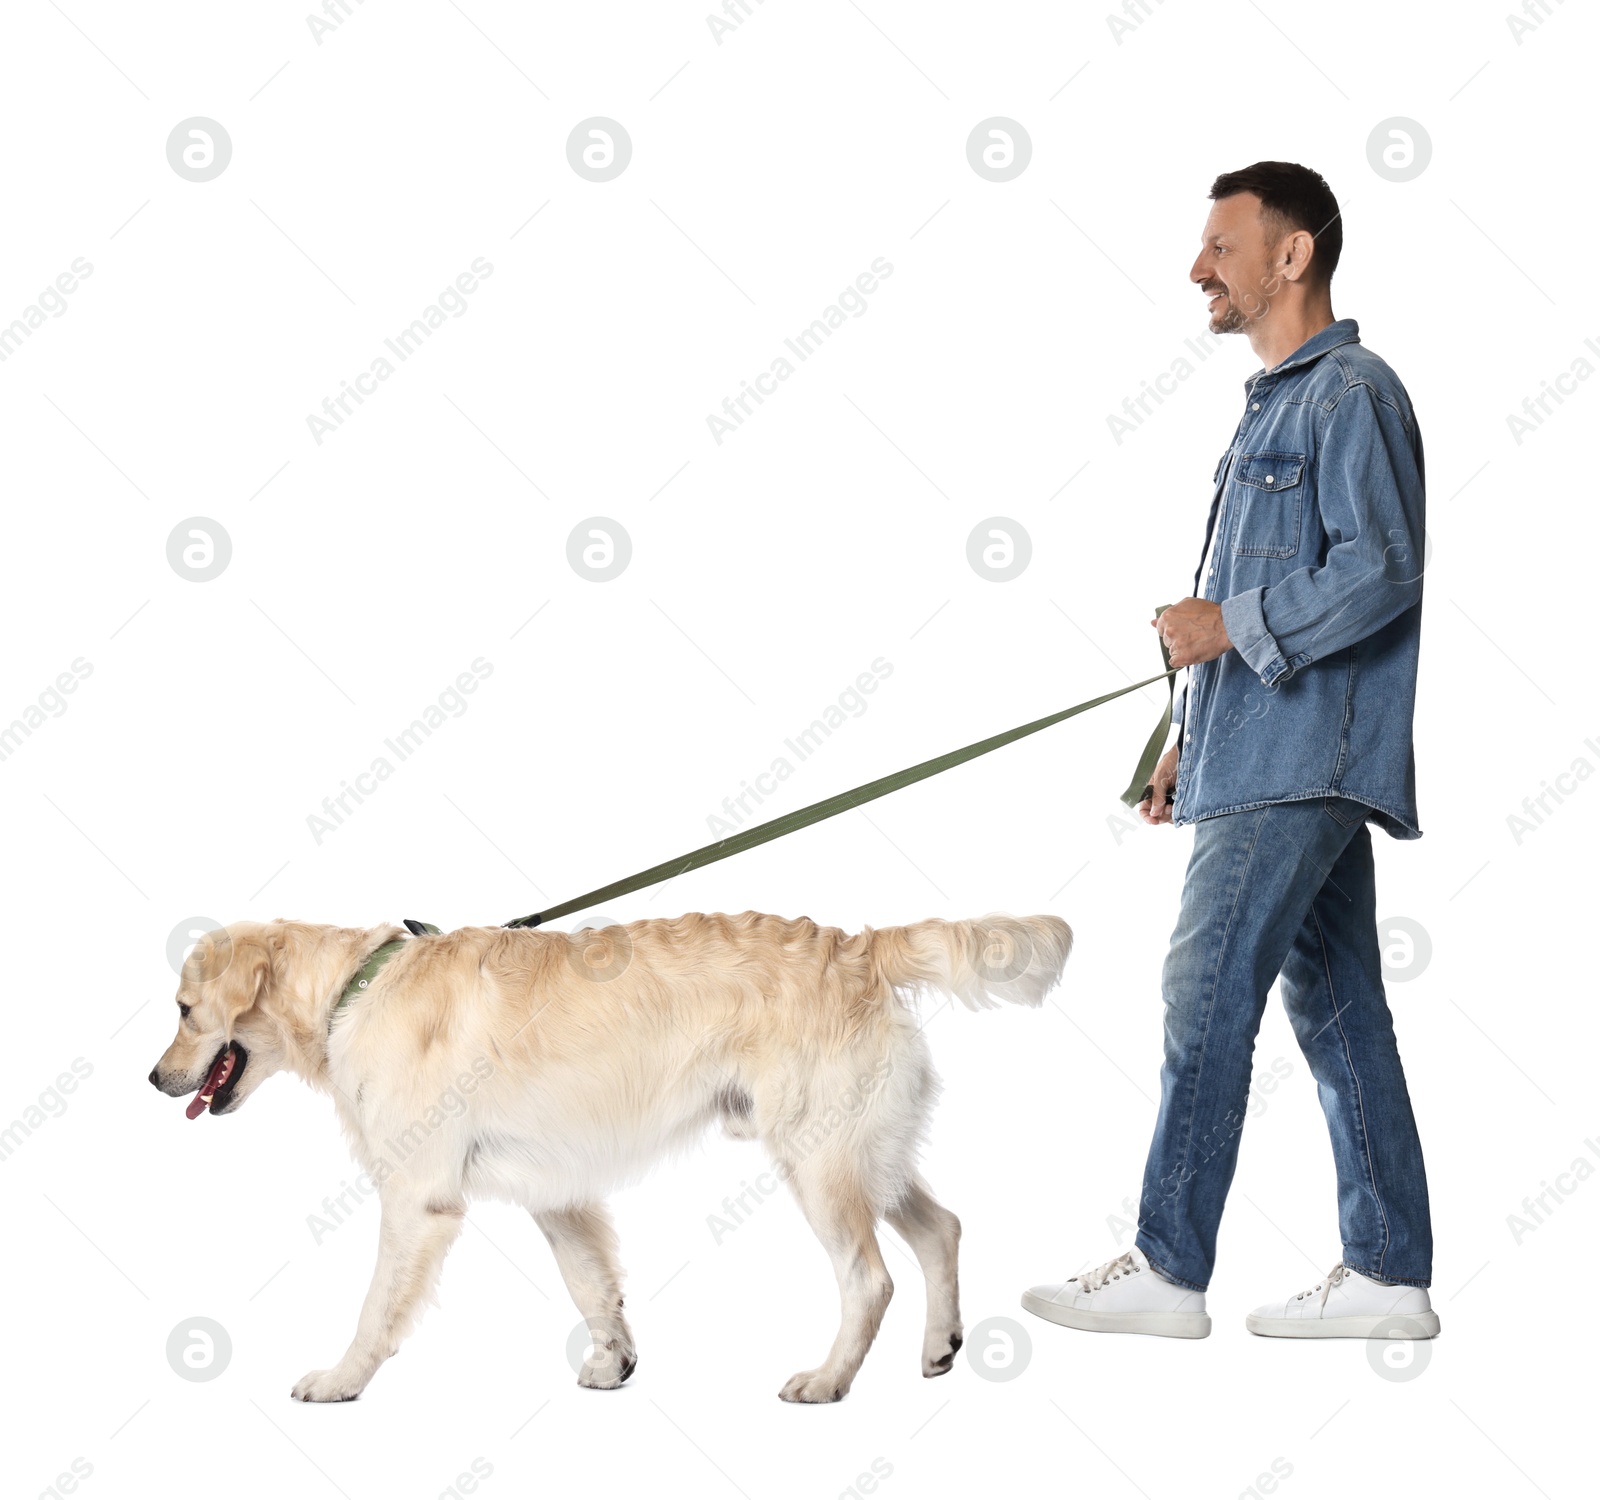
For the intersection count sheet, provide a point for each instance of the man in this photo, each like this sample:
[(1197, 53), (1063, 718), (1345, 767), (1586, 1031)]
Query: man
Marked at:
[(1295, 734)]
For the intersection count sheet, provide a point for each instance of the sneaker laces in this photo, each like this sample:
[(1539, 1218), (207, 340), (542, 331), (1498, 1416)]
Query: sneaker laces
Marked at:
[(1112, 1270), (1334, 1278)]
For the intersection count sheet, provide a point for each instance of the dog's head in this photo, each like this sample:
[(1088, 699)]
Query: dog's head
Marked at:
[(226, 1045)]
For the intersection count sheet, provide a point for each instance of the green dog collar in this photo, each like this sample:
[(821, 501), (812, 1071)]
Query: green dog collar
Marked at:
[(375, 961)]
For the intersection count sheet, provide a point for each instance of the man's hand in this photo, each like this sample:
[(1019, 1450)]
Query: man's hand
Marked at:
[(1157, 809), (1192, 630)]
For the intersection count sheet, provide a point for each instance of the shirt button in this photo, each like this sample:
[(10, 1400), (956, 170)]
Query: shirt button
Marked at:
[(1269, 478), (1255, 406)]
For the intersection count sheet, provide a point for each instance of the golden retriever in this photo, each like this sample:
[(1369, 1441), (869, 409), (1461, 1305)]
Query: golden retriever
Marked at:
[(548, 1069)]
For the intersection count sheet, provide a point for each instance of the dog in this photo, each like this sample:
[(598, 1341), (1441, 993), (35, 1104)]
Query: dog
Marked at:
[(549, 1069)]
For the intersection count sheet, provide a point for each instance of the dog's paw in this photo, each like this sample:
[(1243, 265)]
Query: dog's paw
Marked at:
[(609, 1365), (813, 1386), (326, 1385), (939, 1361)]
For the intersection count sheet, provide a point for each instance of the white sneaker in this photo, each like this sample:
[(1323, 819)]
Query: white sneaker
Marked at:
[(1347, 1305), (1125, 1295)]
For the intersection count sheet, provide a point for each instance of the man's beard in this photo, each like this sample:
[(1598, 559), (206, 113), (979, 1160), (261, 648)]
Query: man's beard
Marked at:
[(1229, 319)]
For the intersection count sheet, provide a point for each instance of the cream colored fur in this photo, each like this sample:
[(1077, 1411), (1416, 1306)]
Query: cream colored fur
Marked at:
[(550, 1069)]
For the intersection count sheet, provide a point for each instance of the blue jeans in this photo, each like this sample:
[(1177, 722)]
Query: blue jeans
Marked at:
[(1284, 891)]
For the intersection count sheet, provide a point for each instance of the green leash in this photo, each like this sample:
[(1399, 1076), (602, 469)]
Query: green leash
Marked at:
[(1138, 789), (763, 833)]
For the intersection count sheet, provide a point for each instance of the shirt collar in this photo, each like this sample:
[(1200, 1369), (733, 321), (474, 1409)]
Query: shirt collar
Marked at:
[(1342, 331)]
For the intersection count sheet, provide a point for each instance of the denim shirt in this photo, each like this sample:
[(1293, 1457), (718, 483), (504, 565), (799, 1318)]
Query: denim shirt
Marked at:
[(1318, 568)]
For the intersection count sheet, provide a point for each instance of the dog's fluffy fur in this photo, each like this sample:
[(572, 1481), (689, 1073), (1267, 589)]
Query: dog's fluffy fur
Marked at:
[(549, 1069)]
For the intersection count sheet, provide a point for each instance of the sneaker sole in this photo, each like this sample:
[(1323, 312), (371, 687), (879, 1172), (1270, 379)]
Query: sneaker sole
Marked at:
[(1423, 1325), (1174, 1325)]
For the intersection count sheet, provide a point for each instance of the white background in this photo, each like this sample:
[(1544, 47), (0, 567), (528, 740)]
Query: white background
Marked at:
[(768, 171)]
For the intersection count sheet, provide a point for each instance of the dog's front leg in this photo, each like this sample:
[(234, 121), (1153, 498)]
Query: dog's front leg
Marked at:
[(412, 1242)]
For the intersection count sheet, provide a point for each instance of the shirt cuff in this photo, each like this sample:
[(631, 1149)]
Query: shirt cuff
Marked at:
[(1247, 629)]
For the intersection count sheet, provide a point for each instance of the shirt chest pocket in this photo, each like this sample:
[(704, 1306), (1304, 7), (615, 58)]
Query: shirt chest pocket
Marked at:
[(1269, 501)]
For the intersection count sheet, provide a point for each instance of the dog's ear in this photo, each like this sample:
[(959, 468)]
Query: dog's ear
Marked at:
[(248, 977)]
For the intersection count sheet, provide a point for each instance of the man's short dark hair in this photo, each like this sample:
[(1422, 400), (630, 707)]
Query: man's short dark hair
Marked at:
[(1292, 197)]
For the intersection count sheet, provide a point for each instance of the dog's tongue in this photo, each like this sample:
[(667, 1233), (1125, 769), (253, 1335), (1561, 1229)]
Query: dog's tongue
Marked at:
[(219, 1073)]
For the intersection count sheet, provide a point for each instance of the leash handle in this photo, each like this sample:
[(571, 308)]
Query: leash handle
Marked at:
[(829, 807), (1141, 786)]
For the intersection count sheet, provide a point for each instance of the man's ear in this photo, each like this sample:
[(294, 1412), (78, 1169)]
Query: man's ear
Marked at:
[(1297, 254)]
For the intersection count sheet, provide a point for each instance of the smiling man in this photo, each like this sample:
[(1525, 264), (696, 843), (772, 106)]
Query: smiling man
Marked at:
[(1301, 645)]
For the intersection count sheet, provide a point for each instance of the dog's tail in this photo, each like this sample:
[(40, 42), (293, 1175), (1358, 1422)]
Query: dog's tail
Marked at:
[(983, 962)]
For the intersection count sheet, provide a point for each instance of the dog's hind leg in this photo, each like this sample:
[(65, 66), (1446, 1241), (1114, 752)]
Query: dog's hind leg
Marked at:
[(846, 1222), (933, 1233), (412, 1242), (585, 1245)]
